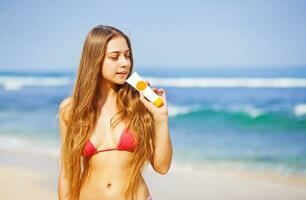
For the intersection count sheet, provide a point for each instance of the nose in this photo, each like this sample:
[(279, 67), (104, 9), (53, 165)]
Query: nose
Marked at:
[(124, 61)]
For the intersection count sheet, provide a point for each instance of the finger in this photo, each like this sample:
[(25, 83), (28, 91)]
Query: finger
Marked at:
[(163, 92), (155, 90)]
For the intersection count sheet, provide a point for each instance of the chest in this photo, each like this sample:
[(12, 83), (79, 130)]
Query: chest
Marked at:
[(104, 135)]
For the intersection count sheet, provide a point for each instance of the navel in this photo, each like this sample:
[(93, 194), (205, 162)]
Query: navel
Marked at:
[(109, 185)]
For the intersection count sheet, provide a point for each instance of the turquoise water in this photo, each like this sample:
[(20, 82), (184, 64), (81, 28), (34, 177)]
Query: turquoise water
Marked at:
[(217, 117)]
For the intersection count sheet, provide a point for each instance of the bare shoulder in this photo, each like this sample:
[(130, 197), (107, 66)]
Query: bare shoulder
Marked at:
[(64, 111), (65, 107), (66, 102)]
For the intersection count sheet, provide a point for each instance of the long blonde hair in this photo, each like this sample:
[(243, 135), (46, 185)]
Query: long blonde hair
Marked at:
[(83, 113)]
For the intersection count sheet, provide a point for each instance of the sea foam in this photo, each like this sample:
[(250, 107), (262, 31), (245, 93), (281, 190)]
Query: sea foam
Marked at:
[(300, 109), (18, 82), (206, 82)]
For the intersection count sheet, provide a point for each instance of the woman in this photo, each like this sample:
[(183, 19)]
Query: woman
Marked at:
[(109, 131)]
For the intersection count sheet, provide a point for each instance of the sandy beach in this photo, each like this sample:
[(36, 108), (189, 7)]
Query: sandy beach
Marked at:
[(34, 176), (231, 76)]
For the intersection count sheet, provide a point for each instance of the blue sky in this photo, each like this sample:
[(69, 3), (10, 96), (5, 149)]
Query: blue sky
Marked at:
[(48, 35)]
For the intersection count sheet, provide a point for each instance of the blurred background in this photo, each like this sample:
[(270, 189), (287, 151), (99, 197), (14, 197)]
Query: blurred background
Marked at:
[(234, 72)]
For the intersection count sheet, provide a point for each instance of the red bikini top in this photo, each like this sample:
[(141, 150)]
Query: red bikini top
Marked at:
[(127, 142)]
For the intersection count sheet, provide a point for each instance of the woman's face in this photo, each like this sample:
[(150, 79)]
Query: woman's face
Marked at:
[(117, 63)]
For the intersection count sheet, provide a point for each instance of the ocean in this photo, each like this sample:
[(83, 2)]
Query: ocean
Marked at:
[(250, 118)]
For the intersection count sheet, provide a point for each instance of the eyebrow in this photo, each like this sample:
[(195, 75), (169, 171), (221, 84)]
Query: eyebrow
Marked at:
[(119, 51)]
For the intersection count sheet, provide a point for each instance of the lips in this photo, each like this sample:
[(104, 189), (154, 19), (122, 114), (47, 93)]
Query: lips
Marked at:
[(121, 72)]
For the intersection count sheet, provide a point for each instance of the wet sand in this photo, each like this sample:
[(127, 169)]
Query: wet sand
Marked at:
[(34, 176)]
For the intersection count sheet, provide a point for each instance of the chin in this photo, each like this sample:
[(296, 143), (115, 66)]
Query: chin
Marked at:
[(120, 82)]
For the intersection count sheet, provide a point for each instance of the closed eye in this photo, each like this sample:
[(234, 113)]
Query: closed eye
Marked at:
[(114, 58)]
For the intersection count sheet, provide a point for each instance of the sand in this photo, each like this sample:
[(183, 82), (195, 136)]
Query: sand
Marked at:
[(34, 176)]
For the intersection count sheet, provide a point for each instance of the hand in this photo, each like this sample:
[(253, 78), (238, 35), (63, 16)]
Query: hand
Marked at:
[(157, 112)]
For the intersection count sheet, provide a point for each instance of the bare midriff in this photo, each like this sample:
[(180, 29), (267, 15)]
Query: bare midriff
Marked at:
[(108, 174)]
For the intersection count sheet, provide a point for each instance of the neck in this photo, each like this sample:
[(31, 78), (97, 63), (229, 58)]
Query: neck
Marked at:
[(108, 94)]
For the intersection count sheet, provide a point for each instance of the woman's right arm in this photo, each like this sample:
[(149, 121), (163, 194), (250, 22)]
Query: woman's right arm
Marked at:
[(62, 181)]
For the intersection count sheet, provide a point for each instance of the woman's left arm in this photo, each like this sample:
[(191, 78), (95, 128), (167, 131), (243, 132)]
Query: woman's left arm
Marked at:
[(163, 146)]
